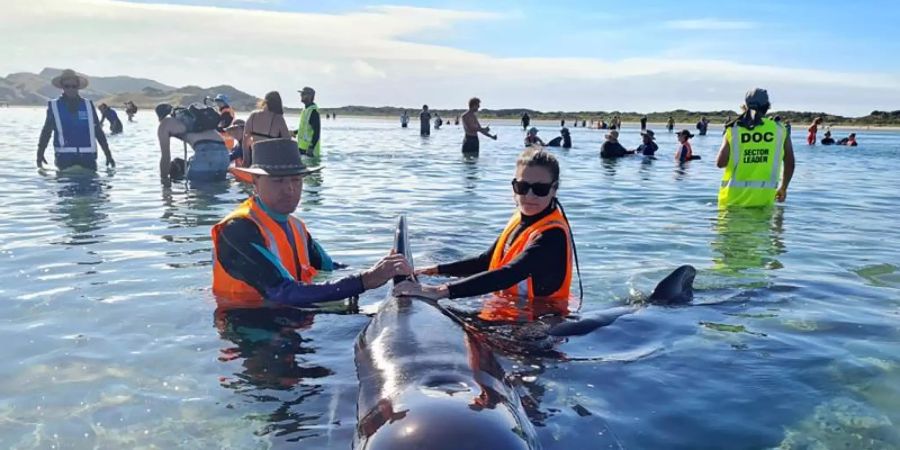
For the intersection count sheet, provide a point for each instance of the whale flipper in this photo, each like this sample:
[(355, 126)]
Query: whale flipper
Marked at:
[(585, 326), (675, 289)]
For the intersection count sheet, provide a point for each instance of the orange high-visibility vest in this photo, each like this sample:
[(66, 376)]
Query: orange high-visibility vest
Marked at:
[(275, 239), (503, 256)]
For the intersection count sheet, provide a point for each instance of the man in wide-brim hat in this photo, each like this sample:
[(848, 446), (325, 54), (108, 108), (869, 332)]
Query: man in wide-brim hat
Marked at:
[(73, 124), (262, 254)]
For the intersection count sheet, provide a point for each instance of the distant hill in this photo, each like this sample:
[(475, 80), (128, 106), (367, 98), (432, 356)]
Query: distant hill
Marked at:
[(150, 97), (35, 89)]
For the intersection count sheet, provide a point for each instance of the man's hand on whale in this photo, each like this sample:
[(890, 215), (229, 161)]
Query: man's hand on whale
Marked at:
[(387, 268)]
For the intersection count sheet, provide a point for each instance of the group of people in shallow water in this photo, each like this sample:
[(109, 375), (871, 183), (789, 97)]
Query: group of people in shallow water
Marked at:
[(813, 129), (264, 255), (218, 139)]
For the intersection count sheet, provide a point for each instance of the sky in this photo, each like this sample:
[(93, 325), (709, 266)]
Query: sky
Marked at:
[(640, 56)]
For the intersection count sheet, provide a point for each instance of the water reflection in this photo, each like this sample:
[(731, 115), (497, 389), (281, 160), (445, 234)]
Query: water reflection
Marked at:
[(471, 176), (609, 165), (79, 200), (272, 354), (189, 206), (748, 239)]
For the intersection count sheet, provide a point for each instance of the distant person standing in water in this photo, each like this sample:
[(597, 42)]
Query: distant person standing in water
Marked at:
[(472, 127), (670, 124), (130, 109), (685, 152), (526, 120), (562, 122), (404, 119), (425, 122), (752, 153), (309, 132), (703, 126), (74, 126), (813, 129), (643, 123)]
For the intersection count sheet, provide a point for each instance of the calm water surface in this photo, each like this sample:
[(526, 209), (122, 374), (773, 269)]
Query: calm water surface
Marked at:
[(112, 339)]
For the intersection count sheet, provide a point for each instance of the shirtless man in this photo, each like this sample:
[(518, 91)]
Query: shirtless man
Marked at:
[(472, 128), (210, 160)]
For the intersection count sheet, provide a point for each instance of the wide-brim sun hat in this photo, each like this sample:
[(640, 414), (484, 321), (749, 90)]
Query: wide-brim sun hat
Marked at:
[(277, 158), (69, 74)]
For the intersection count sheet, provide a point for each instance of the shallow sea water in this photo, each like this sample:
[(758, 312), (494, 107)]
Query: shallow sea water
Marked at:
[(112, 339)]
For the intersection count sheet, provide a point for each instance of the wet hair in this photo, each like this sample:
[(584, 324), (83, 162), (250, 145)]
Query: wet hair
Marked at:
[(424, 106), (163, 110), (535, 157), (473, 101), (271, 102)]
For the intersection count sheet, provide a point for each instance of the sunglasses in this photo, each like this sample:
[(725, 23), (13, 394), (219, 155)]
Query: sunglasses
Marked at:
[(539, 189)]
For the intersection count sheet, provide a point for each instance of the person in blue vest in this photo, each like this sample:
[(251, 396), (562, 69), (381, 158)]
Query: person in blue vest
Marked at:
[(73, 124), (107, 113)]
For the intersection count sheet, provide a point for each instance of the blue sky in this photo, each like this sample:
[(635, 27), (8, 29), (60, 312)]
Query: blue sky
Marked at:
[(824, 34), (646, 55)]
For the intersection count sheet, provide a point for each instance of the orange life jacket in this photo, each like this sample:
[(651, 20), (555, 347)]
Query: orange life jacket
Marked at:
[(688, 156), (275, 239), (502, 257), (517, 301)]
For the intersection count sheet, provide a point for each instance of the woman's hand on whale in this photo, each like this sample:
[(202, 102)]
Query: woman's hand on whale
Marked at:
[(411, 289), (433, 270)]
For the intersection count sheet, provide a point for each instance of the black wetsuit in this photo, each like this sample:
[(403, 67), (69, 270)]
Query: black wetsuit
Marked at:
[(425, 123), (244, 261), (564, 141), (544, 260), (647, 149), (613, 150)]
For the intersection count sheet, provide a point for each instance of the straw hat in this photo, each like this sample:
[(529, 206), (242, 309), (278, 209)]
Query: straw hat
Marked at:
[(69, 74), (277, 158)]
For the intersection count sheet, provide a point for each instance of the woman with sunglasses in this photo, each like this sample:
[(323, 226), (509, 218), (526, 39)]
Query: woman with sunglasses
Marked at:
[(532, 258)]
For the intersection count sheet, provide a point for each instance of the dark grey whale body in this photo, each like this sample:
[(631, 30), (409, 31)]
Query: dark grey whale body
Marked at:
[(426, 383), (675, 289)]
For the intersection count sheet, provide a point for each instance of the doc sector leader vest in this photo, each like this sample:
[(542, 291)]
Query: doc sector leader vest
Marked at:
[(754, 165)]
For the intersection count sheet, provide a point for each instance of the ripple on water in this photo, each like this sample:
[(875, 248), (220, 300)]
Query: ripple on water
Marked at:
[(113, 339)]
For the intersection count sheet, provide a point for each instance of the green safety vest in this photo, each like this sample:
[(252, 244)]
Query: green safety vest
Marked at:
[(754, 165), (305, 132)]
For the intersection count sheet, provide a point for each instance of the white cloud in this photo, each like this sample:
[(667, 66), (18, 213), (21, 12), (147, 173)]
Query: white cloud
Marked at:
[(710, 24), (371, 57)]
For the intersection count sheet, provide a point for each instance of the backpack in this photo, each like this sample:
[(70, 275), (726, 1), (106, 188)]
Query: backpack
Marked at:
[(197, 118)]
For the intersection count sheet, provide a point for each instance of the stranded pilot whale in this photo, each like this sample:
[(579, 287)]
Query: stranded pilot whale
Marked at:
[(427, 383)]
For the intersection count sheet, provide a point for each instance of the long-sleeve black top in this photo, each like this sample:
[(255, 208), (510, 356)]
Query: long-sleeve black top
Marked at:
[(316, 123), (242, 253), (544, 260)]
